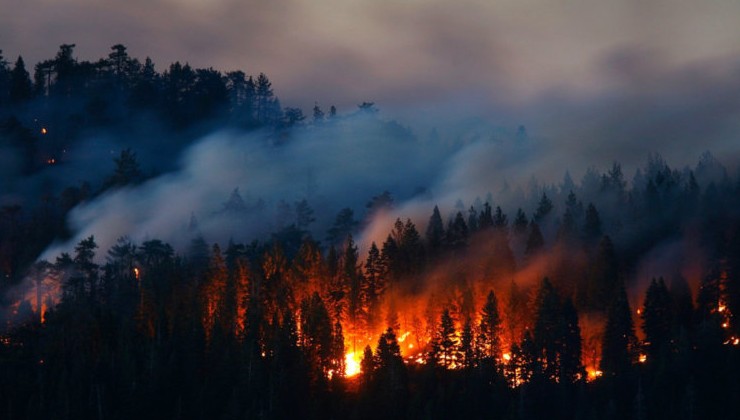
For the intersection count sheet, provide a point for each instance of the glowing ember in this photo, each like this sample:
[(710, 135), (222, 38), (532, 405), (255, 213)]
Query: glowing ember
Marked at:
[(721, 308), (725, 324), (643, 358), (136, 273), (352, 364), (51, 161), (593, 374), (639, 311), (43, 130), (732, 341)]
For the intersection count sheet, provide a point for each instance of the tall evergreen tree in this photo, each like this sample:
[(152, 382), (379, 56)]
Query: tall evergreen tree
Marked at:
[(571, 368), (535, 241), (618, 345), (657, 318), (435, 232), (490, 330), (447, 341), (547, 332), (21, 88)]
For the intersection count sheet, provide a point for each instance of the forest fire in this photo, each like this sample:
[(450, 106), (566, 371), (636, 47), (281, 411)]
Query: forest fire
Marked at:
[(352, 363)]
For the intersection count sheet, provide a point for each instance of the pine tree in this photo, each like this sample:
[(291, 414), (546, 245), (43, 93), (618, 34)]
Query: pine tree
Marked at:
[(592, 226), (435, 232), (374, 285), (21, 88), (457, 233), (213, 294), (544, 208), (618, 345), (520, 222), (447, 341), (657, 318), (490, 330), (547, 333), (318, 335), (604, 276), (318, 114), (126, 172), (344, 225), (571, 369), (535, 241), (367, 369), (467, 345), (485, 219), (390, 373), (337, 350), (472, 219), (353, 284)]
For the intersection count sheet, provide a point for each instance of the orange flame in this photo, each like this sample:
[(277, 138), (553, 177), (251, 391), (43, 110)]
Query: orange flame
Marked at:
[(352, 364), (593, 374)]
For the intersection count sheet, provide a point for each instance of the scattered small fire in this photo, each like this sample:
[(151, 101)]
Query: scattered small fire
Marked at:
[(51, 161), (721, 308), (136, 273), (643, 358), (507, 356)]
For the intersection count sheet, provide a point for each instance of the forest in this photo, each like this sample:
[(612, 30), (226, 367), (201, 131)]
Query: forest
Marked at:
[(598, 299)]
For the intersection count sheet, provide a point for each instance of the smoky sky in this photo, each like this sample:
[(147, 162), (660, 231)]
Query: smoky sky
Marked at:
[(602, 80), (398, 53)]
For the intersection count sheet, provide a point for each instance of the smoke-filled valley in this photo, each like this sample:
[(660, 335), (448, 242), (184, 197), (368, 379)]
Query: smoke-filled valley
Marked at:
[(178, 244)]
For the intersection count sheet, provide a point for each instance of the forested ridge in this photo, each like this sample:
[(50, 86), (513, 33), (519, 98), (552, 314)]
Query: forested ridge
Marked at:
[(603, 298)]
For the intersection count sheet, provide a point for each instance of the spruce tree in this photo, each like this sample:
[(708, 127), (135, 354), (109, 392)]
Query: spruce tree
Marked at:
[(571, 369), (547, 333), (490, 330), (447, 341), (435, 231), (657, 318), (618, 344)]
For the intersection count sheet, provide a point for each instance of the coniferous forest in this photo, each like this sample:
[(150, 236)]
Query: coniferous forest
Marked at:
[(613, 296)]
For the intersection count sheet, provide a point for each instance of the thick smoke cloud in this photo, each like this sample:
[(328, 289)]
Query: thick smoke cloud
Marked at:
[(343, 165)]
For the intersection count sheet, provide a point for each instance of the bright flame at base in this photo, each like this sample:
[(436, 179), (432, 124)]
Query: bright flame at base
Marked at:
[(593, 374), (351, 364)]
